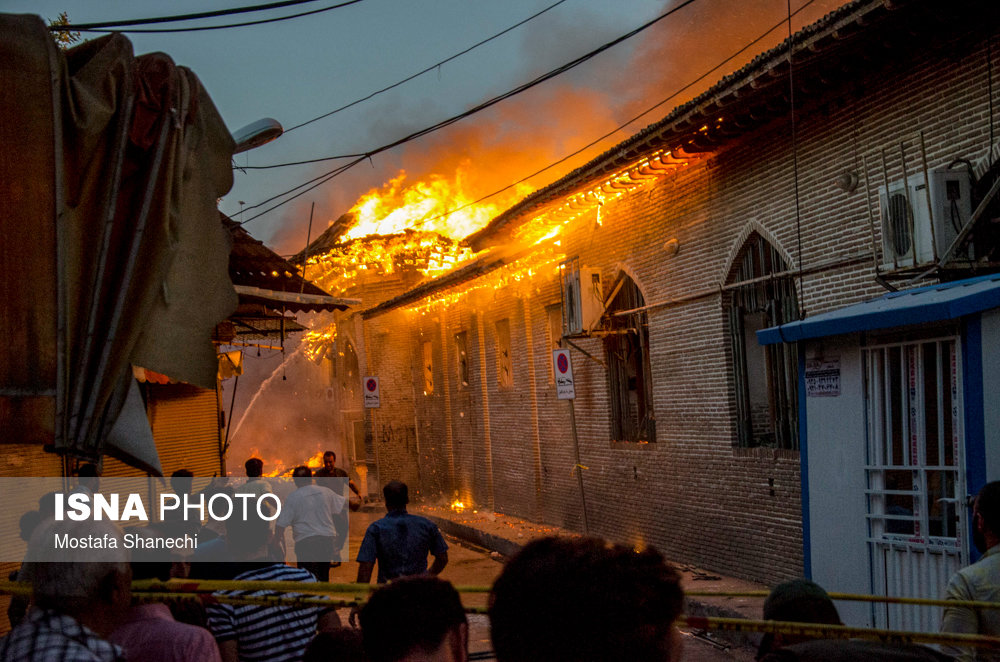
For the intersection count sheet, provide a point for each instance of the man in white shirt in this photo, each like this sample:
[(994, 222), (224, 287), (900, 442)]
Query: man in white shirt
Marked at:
[(979, 581), (311, 510)]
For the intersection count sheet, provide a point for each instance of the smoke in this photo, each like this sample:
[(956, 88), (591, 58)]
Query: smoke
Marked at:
[(524, 134), (292, 419), (282, 412)]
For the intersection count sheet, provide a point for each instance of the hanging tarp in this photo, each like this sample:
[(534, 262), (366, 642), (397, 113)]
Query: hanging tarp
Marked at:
[(112, 247)]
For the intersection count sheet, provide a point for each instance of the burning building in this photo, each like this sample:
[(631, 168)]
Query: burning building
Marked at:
[(789, 189)]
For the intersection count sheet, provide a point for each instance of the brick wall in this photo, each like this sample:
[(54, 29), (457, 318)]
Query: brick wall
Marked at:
[(692, 493)]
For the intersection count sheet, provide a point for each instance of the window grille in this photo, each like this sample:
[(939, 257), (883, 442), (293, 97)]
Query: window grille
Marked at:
[(765, 377), (626, 349), (505, 376), (428, 364), (462, 359)]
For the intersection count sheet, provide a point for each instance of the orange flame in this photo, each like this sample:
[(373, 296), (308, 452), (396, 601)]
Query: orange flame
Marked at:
[(434, 205), (280, 468), (408, 226), (316, 461)]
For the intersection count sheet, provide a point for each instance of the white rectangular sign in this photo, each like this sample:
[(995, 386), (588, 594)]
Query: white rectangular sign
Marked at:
[(369, 386), (823, 378), (562, 368)]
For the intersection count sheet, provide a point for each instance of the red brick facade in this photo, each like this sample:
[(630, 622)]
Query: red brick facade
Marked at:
[(692, 493)]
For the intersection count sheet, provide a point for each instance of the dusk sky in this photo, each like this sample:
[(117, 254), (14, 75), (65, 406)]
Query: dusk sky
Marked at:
[(299, 69)]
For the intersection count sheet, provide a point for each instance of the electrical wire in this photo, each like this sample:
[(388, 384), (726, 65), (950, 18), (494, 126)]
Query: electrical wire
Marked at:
[(182, 17), (423, 71), (795, 159), (510, 93), (322, 179), (263, 21), (475, 109), (620, 126)]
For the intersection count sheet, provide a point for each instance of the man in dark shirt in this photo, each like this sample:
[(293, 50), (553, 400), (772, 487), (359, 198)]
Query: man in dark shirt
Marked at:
[(400, 541), (331, 470), (415, 619)]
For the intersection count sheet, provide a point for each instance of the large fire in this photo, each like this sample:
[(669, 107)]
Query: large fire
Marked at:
[(433, 205), (408, 226), (347, 264)]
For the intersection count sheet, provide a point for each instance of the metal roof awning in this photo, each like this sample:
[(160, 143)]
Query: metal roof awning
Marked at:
[(944, 301), (293, 300), (260, 275)]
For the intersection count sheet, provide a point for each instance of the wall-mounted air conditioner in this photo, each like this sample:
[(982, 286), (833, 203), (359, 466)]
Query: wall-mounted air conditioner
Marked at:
[(583, 297), (908, 238)]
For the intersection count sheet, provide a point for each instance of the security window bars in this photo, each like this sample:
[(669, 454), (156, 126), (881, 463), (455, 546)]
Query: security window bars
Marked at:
[(428, 364), (765, 378), (350, 378), (915, 488), (505, 377), (462, 359), (626, 349), (913, 440)]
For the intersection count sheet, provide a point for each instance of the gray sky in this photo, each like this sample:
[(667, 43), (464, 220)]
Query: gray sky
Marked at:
[(299, 69)]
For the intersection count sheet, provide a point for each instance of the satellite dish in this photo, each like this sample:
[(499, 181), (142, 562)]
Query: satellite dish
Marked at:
[(256, 134)]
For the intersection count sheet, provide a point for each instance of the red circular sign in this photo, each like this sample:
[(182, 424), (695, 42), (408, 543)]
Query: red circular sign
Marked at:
[(562, 362), (371, 384)]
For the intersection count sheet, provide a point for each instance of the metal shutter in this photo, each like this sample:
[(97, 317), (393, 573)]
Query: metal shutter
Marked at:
[(185, 421)]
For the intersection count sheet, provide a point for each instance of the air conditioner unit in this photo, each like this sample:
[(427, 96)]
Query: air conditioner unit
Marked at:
[(583, 298), (908, 239)]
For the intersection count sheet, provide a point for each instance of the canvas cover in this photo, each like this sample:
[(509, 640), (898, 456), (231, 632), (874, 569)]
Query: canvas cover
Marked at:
[(112, 251)]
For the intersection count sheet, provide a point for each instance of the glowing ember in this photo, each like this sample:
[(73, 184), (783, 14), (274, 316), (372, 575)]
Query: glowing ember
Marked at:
[(457, 506), (517, 278)]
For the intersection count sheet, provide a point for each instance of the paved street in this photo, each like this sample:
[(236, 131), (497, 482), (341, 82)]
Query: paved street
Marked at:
[(469, 566)]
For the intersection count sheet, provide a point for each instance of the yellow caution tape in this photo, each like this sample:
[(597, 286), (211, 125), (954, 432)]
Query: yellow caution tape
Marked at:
[(332, 588), (305, 595), (263, 600), (212, 585), (819, 631), (926, 602)]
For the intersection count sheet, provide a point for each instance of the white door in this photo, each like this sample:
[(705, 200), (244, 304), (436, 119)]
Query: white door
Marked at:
[(916, 486)]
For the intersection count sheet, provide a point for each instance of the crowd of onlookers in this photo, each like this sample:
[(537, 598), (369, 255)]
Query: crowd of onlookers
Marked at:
[(560, 599)]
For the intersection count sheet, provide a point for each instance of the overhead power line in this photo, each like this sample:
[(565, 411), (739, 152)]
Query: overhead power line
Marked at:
[(472, 111), (321, 179), (424, 71), (183, 17), (108, 26), (621, 126), (497, 99)]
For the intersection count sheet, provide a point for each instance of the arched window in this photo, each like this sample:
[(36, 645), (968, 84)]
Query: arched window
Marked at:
[(350, 380), (765, 377), (626, 349)]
